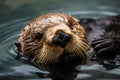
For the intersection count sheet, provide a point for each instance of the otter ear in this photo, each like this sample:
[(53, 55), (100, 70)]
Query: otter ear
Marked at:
[(18, 46)]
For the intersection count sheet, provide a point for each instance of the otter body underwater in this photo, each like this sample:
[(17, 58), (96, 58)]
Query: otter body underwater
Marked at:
[(57, 37)]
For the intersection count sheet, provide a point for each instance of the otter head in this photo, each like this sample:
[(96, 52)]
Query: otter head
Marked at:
[(50, 36)]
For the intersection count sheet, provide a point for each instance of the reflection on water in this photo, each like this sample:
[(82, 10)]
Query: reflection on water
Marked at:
[(14, 17)]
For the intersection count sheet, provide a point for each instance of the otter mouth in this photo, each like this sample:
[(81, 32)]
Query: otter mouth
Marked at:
[(61, 39)]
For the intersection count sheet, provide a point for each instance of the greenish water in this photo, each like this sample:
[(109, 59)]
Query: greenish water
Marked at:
[(15, 14)]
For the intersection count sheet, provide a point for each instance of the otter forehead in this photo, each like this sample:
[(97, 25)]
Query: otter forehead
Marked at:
[(53, 19), (44, 22), (50, 19), (56, 19)]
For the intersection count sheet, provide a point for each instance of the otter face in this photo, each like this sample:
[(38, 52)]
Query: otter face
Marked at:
[(48, 37)]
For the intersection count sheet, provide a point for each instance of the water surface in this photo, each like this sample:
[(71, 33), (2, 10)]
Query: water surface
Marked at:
[(14, 15)]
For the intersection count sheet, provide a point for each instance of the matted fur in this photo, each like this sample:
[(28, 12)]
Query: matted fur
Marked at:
[(36, 38)]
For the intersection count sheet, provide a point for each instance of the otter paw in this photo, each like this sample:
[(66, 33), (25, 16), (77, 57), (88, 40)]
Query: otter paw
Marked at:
[(106, 47)]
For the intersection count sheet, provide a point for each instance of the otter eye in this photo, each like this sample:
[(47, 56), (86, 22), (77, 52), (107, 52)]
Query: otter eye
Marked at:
[(70, 25), (38, 36)]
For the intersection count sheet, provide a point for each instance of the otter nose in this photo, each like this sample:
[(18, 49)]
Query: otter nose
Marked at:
[(61, 39)]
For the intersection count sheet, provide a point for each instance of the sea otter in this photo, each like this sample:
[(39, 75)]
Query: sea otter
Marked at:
[(57, 37)]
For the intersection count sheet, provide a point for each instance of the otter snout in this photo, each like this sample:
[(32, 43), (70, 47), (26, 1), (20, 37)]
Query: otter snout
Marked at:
[(61, 39)]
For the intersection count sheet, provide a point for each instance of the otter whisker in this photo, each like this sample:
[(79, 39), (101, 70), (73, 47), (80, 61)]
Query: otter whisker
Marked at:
[(41, 57), (85, 45), (79, 48), (49, 58), (45, 58), (76, 50), (83, 49), (35, 59)]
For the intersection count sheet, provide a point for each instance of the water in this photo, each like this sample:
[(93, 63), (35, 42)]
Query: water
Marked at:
[(14, 15)]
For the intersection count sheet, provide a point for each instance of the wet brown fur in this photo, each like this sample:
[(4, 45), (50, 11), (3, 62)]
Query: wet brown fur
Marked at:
[(36, 38)]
